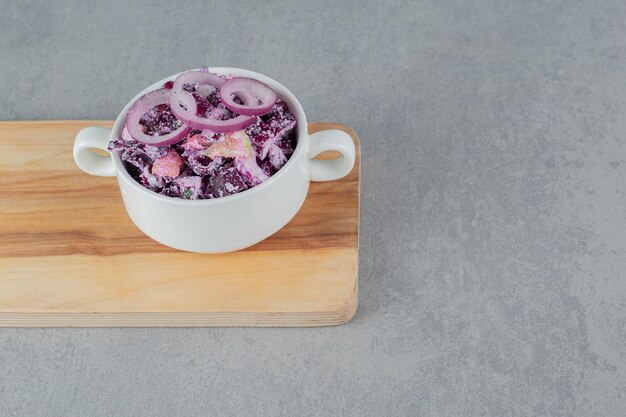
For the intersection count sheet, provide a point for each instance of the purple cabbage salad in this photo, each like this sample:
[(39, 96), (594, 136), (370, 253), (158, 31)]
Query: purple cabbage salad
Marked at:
[(203, 164)]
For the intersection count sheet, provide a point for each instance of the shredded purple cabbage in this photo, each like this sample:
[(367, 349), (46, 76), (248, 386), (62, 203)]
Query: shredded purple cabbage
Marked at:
[(272, 138)]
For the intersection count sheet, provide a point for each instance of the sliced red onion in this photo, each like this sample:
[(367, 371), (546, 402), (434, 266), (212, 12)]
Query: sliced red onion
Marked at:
[(257, 98), (146, 103), (197, 77), (184, 105)]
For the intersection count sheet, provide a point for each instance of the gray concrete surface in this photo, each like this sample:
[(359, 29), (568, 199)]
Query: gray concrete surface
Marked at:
[(493, 211)]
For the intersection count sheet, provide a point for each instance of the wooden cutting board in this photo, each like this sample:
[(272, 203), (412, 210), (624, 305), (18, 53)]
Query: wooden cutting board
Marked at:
[(70, 256)]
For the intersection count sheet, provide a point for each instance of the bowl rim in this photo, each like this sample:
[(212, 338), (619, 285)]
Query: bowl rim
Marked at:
[(282, 92)]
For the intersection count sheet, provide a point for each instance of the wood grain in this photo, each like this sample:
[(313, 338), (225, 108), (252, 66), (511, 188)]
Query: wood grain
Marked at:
[(70, 256)]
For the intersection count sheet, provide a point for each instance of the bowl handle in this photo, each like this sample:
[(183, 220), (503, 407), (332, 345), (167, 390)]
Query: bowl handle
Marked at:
[(332, 169), (87, 139)]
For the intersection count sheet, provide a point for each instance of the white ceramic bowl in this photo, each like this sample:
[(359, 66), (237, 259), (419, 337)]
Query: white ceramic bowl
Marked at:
[(229, 223)]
